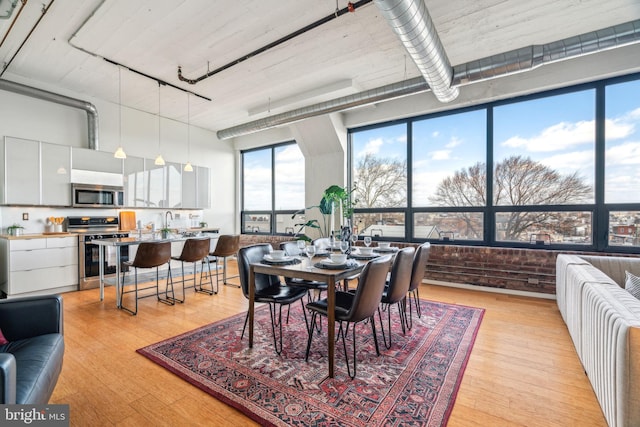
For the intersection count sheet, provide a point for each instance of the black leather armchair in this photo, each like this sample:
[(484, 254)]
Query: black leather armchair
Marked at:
[(32, 360)]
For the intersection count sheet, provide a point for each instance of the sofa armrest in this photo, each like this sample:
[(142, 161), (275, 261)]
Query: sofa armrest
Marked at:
[(22, 318), (7, 378)]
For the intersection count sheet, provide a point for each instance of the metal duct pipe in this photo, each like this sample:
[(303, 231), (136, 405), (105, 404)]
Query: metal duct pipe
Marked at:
[(411, 22), (92, 112), (530, 57), (511, 62), (383, 93)]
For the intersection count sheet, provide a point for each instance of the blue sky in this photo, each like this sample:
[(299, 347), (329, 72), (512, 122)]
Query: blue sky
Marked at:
[(557, 131)]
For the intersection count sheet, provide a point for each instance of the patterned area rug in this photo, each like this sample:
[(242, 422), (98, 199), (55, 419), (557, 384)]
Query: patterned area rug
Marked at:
[(413, 383)]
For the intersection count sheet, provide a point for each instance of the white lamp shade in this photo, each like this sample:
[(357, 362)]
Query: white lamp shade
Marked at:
[(159, 160), (188, 167), (120, 154)]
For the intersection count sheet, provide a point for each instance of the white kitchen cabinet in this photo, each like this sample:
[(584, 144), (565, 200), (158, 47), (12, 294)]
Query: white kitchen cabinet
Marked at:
[(203, 188), (35, 173), (41, 265), (95, 161), (189, 188), (56, 170), (173, 185), (21, 172), (134, 182)]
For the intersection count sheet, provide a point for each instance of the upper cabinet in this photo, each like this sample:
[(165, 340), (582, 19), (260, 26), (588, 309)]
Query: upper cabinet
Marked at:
[(56, 169), (39, 173), (95, 161), (36, 173), (22, 171), (134, 182)]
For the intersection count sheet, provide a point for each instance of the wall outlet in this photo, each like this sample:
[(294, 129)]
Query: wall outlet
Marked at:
[(533, 281), (25, 216)]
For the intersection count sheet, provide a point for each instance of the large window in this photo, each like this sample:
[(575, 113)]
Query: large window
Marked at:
[(559, 169), (272, 189)]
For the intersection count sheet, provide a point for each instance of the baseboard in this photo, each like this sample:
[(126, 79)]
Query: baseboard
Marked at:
[(489, 289)]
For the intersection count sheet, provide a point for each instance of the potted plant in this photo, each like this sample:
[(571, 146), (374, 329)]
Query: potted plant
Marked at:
[(334, 199), (15, 230), (165, 232)]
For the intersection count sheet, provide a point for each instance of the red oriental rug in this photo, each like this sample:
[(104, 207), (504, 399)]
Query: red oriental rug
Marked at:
[(413, 383)]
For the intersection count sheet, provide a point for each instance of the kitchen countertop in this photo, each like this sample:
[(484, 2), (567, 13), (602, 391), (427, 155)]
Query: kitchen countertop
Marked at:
[(68, 234)]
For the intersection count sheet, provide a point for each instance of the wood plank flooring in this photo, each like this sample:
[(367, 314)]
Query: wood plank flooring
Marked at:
[(523, 370)]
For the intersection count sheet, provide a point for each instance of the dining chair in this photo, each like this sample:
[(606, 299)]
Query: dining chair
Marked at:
[(395, 290), (268, 289), (420, 260), (150, 255), (196, 250), (226, 246), (292, 249), (355, 307)]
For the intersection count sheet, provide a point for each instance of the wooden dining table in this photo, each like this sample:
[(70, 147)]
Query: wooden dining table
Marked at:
[(302, 271)]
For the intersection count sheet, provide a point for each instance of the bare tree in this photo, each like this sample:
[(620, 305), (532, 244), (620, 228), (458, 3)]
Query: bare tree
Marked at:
[(518, 181), (380, 182)]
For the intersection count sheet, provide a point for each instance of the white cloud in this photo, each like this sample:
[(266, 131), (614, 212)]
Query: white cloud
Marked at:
[(435, 134), (627, 153), (454, 142), (576, 161), (440, 154), (372, 147), (557, 137)]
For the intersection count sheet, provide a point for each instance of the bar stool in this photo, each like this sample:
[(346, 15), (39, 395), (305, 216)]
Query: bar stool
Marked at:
[(227, 246), (150, 255), (196, 250)]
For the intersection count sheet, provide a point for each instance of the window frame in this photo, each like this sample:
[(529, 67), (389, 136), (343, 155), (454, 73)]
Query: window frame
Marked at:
[(272, 212), (599, 210)]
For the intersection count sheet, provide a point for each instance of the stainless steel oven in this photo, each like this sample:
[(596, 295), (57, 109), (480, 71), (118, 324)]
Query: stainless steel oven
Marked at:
[(91, 228)]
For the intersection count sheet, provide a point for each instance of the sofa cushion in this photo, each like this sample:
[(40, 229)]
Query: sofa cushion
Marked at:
[(632, 284), (39, 362), (614, 266)]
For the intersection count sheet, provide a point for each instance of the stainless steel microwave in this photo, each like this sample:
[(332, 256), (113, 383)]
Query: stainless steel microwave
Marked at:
[(96, 196)]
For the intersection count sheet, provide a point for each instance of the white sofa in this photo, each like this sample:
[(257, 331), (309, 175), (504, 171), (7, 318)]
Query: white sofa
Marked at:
[(604, 323)]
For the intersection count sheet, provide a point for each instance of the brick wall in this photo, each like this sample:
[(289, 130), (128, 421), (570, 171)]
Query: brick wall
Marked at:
[(531, 270)]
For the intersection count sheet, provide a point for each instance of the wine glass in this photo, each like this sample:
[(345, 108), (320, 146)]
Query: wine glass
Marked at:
[(301, 245), (310, 250), (354, 239), (367, 241), (344, 246)]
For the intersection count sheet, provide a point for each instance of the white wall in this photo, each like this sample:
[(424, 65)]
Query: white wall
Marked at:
[(31, 118)]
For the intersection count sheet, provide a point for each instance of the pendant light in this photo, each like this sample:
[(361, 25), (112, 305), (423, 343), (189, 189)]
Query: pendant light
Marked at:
[(188, 167), (120, 154), (159, 160)]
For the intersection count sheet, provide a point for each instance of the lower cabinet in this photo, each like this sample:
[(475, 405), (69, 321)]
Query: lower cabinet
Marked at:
[(39, 265)]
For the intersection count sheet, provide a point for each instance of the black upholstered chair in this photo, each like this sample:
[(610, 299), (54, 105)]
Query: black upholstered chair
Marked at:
[(420, 260), (150, 255), (396, 290), (31, 360), (196, 250), (355, 307), (268, 289), (291, 249)]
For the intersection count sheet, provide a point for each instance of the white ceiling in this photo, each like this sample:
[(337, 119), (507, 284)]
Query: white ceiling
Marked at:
[(352, 53)]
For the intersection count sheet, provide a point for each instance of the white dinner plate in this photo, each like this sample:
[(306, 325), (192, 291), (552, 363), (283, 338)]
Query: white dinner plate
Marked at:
[(269, 258)]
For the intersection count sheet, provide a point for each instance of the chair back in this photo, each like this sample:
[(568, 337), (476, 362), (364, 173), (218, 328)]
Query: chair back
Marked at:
[(250, 255), (400, 275), (419, 265), (291, 248), (152, 254), (195, 249), (369, 291), (227, 245)]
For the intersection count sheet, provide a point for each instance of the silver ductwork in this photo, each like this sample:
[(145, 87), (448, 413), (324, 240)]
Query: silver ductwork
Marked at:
[(92, 112), (411, 22), (503, 64), (530, 57), (384, 93)]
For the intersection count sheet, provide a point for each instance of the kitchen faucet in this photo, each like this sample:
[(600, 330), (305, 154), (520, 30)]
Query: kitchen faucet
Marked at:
[(166, 221)]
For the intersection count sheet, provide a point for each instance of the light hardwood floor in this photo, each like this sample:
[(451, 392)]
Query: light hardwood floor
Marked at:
[(523, 370)]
